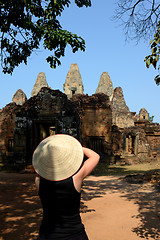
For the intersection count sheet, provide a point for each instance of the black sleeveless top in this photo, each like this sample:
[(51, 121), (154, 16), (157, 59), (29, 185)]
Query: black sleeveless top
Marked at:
[(61, 203)]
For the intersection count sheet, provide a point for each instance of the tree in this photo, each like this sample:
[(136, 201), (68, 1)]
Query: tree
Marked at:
[(24, 24), (140, 19)]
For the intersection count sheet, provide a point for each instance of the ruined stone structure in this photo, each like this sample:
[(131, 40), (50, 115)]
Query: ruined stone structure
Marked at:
[(137, 144), (102, 122), (73, 84), (24, 127), (96, 122), (7, 128)]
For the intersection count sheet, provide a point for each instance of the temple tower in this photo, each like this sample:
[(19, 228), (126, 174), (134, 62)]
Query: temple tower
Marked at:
[(40, 82), (73, 84), (105, 85), (19, 97), (121, 115), (143, 114)]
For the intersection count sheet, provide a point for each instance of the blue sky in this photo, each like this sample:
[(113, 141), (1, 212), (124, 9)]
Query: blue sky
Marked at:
[(106, 51)]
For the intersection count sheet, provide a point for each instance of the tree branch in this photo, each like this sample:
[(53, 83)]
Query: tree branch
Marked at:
[(139, 18), (133, 8)]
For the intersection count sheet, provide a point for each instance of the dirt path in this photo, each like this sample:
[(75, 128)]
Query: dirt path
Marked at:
[(111, 208)]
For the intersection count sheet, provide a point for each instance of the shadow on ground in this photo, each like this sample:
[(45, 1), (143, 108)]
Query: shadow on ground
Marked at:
[(19, 207), (145, 195), (21, 210)]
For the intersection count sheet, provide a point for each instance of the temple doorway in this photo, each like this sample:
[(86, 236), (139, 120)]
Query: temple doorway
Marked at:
[(41, 130), (130, 144)]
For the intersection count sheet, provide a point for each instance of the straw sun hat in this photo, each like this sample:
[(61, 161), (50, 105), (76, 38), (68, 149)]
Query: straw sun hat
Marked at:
[(58, 157)]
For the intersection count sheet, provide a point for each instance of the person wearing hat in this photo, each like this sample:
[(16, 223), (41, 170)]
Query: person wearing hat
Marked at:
[(58, 161)]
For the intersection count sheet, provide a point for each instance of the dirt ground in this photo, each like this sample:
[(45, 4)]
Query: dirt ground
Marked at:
[(111, 208)]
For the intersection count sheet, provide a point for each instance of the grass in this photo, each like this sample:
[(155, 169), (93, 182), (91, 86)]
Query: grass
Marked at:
[(104, 169)]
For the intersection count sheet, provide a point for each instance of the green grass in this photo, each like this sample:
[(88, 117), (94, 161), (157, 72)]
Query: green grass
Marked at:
[(104, 169)]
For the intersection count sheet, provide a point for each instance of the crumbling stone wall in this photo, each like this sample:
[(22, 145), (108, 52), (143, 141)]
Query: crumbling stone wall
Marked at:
[(117, 142), (49, 112), (129, 144), (136, 144), (153, 138), (96, 121), (7, 126)]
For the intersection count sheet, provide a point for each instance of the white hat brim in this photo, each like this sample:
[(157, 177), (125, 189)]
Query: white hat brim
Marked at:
[(58, 157)]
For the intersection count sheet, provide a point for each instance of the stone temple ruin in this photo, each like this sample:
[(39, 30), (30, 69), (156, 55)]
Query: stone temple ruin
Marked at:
[(102, 122)]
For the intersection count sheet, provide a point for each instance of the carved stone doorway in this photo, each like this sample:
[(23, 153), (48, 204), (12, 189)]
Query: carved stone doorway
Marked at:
[(130, 144), (41, 130)]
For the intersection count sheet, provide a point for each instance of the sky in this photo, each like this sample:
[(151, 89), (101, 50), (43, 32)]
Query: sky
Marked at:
[(106, 51)]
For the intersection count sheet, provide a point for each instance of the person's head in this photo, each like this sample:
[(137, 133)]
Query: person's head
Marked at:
[(58, 157)]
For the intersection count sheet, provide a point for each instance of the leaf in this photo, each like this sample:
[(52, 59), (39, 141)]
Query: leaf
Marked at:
[(151, 41), (27, 23), (148, 63), (154, 63), (157, 79), (153, 44), (154, 50), (146, 58)]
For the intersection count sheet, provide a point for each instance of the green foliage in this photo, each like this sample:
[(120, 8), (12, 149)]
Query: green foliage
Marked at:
[(24, 24), (153, 58), (150, 118)]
